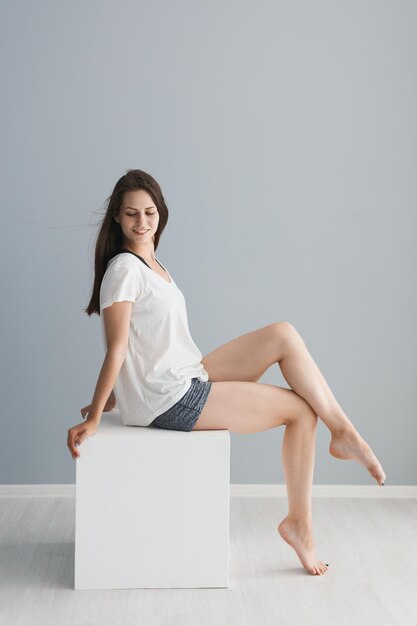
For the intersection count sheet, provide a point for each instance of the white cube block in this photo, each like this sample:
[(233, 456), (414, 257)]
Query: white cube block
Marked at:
[(152, 508)]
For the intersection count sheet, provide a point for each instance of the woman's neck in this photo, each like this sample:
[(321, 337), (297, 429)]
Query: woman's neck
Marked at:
[(148, 255)]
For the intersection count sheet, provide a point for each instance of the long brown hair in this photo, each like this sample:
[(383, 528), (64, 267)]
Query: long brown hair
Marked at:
[(110, 236)]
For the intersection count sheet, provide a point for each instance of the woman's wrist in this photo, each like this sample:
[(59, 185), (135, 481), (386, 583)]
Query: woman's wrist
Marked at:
[(93, 418)]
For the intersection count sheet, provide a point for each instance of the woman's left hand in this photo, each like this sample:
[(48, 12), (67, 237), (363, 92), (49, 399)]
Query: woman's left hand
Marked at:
[(109, 406)]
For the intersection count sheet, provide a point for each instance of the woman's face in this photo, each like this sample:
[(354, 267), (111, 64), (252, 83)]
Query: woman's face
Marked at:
[(138, 219)]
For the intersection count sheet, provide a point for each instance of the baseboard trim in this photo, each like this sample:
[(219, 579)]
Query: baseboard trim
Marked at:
[(236, 490), (328, 491)]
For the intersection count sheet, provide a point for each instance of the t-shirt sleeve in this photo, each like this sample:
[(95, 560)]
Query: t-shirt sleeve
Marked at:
[(121, 283)]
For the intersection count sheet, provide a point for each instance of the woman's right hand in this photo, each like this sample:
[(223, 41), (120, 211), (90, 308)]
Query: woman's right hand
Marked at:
[(77, 434)]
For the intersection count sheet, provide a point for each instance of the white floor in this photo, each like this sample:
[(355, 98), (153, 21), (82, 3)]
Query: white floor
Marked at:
[(371, 545)]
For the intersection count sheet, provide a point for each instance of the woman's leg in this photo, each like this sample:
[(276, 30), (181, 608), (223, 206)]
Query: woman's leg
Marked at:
[(245, 407), (298, 452), (247, 357), (302, 374)]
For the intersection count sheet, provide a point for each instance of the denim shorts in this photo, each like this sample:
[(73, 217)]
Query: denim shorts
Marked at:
[(184, 414)]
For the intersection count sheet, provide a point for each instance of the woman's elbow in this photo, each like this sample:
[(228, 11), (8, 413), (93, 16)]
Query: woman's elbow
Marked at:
[(117, 352)]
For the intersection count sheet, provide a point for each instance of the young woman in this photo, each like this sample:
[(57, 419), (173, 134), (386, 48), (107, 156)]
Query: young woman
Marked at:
[(158, 377)]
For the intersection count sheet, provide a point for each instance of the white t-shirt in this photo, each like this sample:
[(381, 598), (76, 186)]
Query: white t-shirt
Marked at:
[(162, 357)]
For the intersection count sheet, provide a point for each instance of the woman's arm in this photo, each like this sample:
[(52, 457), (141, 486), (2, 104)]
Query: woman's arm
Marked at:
[(109, 372), (117, 323), (109, 406)]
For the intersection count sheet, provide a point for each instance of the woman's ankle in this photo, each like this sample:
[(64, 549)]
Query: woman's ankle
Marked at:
[(345, 427), (300, 519)]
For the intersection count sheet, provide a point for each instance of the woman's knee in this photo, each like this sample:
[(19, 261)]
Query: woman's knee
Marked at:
[(305, 415), (286, 333)]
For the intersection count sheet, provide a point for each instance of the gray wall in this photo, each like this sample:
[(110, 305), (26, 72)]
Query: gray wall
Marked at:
[(283, 135)]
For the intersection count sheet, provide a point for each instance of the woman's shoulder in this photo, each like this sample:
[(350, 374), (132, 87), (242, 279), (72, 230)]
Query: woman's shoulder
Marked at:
[(122, 280), (123, 259)]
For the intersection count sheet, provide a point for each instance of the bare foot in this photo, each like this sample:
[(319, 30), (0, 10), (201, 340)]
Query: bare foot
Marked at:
[(299, 536), (349, 445)]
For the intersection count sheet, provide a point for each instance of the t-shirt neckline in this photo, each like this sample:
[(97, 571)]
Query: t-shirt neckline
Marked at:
[(147, 265)]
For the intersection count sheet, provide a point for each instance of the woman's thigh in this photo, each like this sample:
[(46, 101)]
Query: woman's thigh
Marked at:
[(245, 407), (247, 357)]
